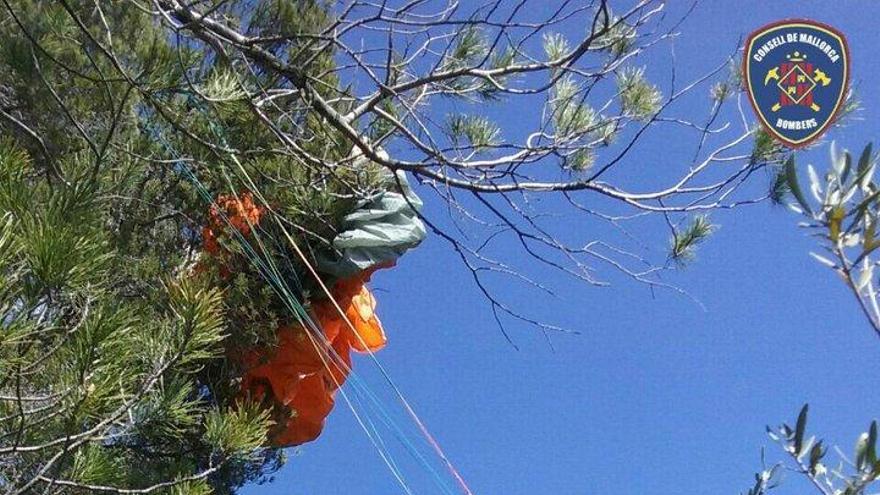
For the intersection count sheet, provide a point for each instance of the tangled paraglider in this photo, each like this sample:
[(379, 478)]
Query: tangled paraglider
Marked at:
[(296, 377)]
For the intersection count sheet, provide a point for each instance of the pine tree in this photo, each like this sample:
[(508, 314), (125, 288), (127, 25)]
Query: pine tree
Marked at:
[(132, 132), (112, 353), (100, 365)]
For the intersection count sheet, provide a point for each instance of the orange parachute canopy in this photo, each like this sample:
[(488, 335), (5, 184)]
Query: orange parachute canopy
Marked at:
[(300, 376)]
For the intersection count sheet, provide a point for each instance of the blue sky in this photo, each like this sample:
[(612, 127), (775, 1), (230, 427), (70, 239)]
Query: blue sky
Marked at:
[(655, 395)]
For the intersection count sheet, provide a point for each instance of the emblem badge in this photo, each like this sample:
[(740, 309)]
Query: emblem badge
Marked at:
[(797, 75)]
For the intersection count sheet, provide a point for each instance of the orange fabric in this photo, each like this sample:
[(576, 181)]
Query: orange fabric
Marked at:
[(310, 405), (359, 306), (359, 309), (241, 213), (298, 379), (295, 379), (369, 332)]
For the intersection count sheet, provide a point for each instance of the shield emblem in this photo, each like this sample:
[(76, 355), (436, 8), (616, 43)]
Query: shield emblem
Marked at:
[(797, 75)]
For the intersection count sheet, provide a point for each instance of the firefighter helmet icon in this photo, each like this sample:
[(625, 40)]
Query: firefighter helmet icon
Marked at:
[(796, 76)]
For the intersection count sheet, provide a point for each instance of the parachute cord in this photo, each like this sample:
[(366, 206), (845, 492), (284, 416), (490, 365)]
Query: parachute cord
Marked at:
[(272, 274), (279, 286), (415, 417), (317, 331)]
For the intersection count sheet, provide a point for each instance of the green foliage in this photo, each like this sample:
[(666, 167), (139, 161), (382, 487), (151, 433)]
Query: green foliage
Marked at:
[(116, 336), (779, 188), (581, 160), (479, 132), (502, 59), (383, 126), (807, 456), (555, 46), (577, 125), (467, 49), (613, 34), (638, 98), (685, 241), (81, 355), (722, 90), (237, 431), (765, 148), (222, 86), (499, 59), (570, 114), (792, 185), (198, 326), (845, 194), (841, 209), (851, 104), (93, 465)]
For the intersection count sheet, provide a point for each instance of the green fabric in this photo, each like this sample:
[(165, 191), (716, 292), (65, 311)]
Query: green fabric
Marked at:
[(379, 230)]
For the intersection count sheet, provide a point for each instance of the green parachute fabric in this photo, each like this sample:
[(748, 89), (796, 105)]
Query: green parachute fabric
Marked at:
[(379, 230)]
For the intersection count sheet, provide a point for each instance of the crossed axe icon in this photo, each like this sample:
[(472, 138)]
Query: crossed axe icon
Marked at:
[(818, 76)]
